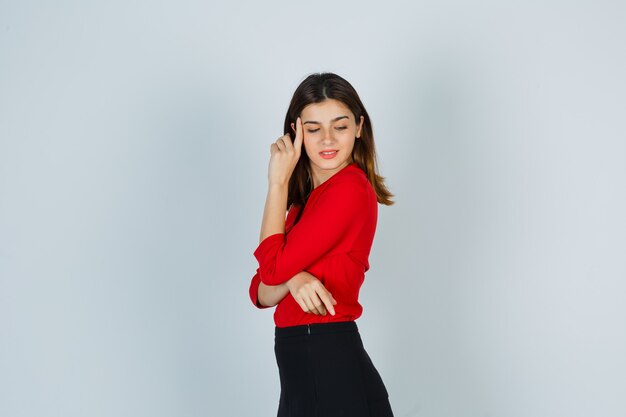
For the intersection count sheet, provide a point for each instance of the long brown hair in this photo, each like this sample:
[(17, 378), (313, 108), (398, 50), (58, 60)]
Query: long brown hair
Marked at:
[(315, 89)]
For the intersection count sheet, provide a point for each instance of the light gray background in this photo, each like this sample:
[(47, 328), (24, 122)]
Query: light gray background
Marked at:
[(134, 143)]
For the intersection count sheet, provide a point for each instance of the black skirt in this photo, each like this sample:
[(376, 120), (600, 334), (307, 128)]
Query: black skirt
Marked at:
[(326, 372)]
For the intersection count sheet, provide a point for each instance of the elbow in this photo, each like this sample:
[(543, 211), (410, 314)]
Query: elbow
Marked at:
[(272, 278), (257, 294), (261, 304)]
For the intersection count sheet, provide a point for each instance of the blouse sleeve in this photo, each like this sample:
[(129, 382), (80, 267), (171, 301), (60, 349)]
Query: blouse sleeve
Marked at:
[(254, 290), (340, 207)]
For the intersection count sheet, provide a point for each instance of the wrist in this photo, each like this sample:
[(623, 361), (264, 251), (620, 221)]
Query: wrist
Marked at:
[(280, 185), (289, 283)]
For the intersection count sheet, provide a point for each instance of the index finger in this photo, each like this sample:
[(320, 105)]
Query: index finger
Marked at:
[(327, 300), (298, 141)]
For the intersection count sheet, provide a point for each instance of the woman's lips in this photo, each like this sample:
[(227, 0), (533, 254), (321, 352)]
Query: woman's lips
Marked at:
[(328, 154)]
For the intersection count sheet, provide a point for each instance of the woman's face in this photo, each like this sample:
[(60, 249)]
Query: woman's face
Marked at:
[(329, 134)]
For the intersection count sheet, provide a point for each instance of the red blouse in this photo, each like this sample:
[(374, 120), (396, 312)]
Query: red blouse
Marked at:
[(332, 241)]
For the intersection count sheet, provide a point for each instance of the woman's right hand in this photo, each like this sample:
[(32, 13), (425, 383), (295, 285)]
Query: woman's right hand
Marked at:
[(285, 154), (310, 294)]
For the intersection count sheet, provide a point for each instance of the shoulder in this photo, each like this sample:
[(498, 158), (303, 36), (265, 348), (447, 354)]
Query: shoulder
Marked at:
[(349, 176), (354, 181), (347, 185), (353, 188)]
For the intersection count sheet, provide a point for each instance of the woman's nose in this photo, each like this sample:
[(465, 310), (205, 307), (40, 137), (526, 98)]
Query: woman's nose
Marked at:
[(328, 136)]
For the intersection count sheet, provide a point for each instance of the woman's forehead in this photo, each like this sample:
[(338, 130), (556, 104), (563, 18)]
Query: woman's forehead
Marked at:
[(326, 111)]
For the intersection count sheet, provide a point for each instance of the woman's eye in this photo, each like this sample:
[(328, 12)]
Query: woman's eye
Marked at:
[(312, 130), (342, 127)]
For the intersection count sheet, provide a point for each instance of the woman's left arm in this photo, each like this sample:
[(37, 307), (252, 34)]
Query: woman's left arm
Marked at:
[(338, 214), (271, 295), (264, 296), (308, 292)]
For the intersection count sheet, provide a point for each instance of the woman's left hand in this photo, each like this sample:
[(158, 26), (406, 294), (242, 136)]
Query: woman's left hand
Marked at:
[(284, 156), (310, 294)]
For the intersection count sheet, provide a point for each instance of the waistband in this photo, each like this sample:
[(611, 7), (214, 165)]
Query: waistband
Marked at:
[(316, 328)]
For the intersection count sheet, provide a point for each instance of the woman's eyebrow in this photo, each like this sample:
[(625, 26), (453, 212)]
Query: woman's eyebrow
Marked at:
[(334, 120)]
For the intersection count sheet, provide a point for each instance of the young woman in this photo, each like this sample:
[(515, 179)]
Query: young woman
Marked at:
[(312, 264)]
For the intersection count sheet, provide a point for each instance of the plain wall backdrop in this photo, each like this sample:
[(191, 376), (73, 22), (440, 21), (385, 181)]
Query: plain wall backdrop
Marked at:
[(134, 146)]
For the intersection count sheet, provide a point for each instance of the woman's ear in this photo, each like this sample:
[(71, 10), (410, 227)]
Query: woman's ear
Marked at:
[(293, 128), (358, 130)]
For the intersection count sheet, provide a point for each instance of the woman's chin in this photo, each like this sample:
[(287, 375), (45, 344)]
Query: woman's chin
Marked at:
[(328, 163)]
